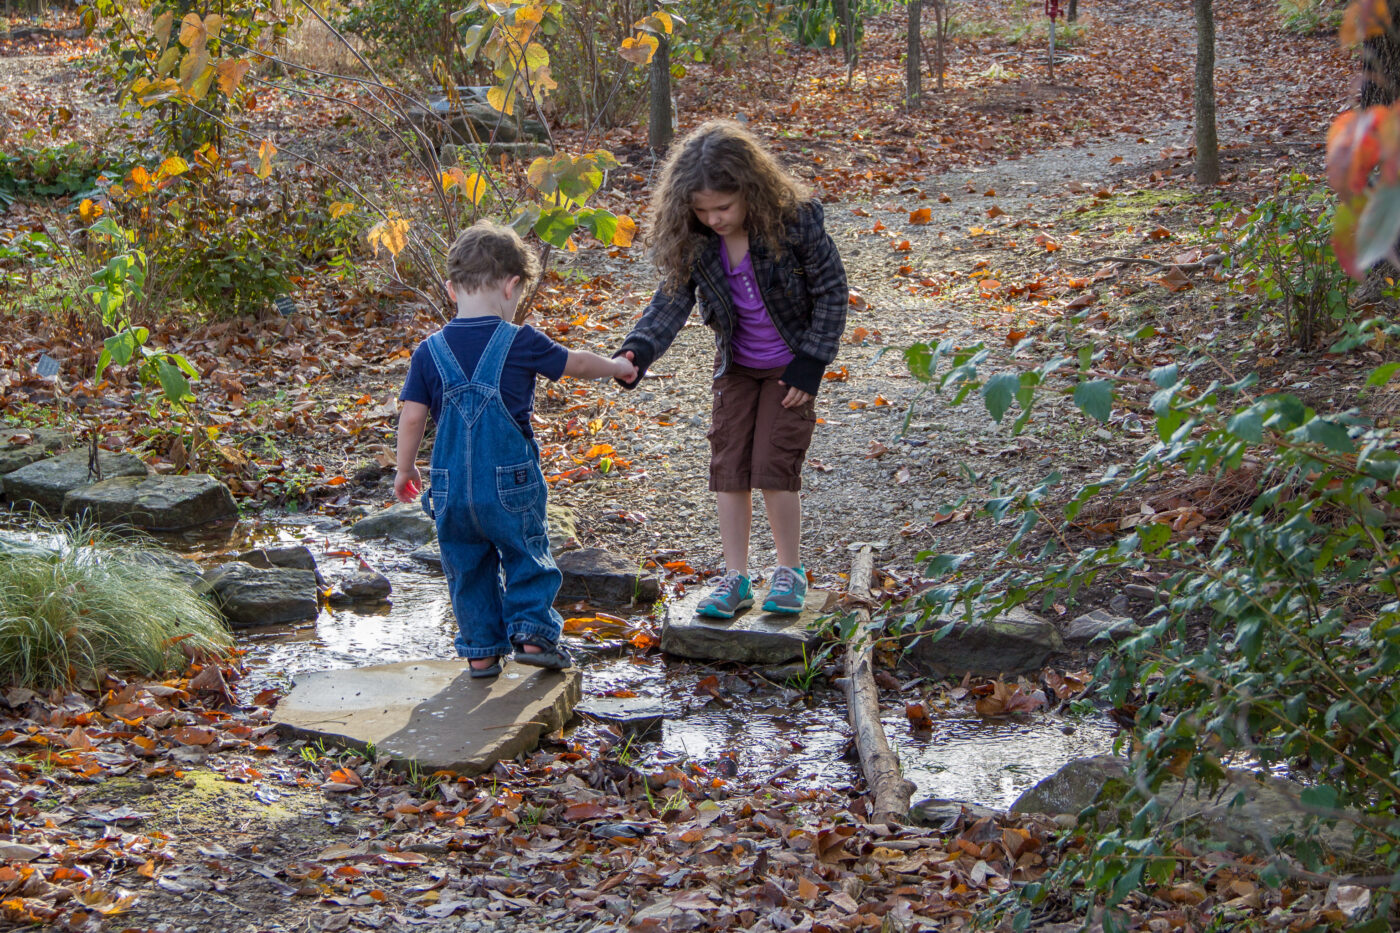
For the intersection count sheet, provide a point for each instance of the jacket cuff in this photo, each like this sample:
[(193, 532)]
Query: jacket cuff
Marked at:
[(642, 357), (805, 373)]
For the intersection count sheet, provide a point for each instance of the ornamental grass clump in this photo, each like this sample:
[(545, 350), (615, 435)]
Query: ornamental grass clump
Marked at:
[(84, 604)]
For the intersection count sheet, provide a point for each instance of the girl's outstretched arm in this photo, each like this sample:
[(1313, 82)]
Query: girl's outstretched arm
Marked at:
[(662, 320)]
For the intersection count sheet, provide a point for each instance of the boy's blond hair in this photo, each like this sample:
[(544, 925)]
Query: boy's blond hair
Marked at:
[(488, 253)]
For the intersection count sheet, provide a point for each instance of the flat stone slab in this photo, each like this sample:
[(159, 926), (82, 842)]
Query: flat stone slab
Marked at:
[(637, 715), (598, 575), (406, 522), (432, 712), (1100, 623), (751, 637), (154, 503), (23, 447), (46, 482), (1015, 642)]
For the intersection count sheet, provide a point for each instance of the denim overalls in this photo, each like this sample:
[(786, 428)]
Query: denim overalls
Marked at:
[(488, 495)]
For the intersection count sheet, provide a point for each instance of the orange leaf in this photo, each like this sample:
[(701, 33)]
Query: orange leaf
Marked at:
[(192, 735), (994, 211), (920, 217)]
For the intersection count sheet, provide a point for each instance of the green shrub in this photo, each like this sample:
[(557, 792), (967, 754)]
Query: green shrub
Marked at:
[(1276, 641), (414, 37), (1283, 250), (91, 604), (1310, 17), (72, 169)]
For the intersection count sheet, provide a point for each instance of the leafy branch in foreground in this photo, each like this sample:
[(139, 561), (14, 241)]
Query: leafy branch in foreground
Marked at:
[(1274, 645)]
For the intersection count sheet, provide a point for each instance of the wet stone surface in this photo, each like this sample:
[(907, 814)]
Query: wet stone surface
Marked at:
[(252, 596), (153, 503), (45, 483), (1014, 643), (752, 636)]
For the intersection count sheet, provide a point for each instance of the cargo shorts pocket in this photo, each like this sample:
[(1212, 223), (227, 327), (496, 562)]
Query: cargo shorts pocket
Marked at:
[(519, 486)]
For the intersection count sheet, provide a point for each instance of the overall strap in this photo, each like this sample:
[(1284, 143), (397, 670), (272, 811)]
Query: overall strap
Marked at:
[(448, 367), (493, 358)]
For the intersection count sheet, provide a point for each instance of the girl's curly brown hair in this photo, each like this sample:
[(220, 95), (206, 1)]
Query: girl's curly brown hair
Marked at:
[(724, 157)]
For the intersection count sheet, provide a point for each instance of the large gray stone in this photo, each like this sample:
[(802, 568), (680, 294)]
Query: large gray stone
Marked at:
[(751, 637), (432, 712), (1246, 813), (23, 447), (470, 119), (1100, 622), (250, 596), (45, 483), (154, 503), (295, 556), (405, 522), (1013, 643), (600, 576), (947, 815), (360, 585)]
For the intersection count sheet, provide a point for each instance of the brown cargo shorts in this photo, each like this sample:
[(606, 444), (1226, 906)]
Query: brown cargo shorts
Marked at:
[(756, 443)]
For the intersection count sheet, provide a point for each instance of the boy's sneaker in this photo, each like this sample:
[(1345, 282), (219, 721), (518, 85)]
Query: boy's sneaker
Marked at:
[(732, 593), (788, 592)]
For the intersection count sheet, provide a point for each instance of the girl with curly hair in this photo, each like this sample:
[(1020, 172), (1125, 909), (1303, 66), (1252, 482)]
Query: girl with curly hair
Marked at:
[(731, 229)]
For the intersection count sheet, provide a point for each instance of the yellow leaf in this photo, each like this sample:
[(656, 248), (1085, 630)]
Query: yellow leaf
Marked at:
[(231, 72), (162, 27), (660, 21), (200, 85), (529, 15), (171, 167), (339, 209), (212, 24), (501, 100), (191, 30), (168, 60), (266, 150), (536, 56), (473, 187), (626, 231), (832, 36), (391, 233), (192, 68), (139, 181), (90, 210), (639, 49)]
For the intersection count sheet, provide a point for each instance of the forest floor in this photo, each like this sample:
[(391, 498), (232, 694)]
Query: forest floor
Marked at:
[(988, 215)]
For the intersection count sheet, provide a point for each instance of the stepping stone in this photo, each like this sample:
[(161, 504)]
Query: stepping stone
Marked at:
[(752, 637), (1013, 643), (21, 448), (361, 585), (1091, 625), (429, 554), (250, 596), (638, 716), (153, 503), (45, 482), (432, 713), (405, 522), (600, 576)]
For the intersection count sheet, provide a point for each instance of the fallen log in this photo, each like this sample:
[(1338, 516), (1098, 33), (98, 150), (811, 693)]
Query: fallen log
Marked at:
[(889, 790)]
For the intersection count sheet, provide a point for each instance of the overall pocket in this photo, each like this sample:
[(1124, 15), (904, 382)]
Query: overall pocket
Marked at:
[(435, 496), (519, 486)]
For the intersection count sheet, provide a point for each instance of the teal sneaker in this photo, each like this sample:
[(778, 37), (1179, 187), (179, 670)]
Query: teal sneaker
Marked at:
[(732, 593), (788, 592)]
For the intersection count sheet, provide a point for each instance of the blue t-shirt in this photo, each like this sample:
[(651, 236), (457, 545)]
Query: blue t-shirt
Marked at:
[(531, 352)]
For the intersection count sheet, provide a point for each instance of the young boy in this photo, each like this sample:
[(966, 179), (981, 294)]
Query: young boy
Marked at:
[(486, 490)]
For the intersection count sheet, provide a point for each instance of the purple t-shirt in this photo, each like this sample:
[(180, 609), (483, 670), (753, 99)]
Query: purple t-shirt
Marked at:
[(531, 352), (757, 343)]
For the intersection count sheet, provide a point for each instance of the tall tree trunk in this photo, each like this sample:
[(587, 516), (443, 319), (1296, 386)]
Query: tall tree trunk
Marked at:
[(1207, 146), (940, 49), (912, 74), (659, 127), (1380, 63), (1072, 13)]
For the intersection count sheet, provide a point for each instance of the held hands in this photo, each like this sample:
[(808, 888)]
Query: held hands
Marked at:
[(795, 397), (624, 370), (407, 484)]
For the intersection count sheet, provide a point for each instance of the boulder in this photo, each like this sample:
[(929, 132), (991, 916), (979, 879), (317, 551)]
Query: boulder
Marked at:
[(751, 637), (1015, 642), (432, 713), (405, 522), (362, 585), (1100, 622), (600, 576), (1247, 812), (182, 567), (45, 483), (153, 503), (470, 119), (295, 556), (23, 447), (251, 596)]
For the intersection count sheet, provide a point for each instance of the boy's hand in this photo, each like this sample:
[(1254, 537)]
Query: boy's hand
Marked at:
[(408, 484), (624, 369)]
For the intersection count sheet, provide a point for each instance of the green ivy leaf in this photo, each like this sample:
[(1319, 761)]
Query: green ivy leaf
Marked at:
[(1320, 797), (1095, 399), (173, 383), (919, 359), (1247, 425), (1382, 375), (1329, 434)]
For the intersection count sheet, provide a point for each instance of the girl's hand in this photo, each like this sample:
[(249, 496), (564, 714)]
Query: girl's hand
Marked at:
[(795, 396), (407, 484)]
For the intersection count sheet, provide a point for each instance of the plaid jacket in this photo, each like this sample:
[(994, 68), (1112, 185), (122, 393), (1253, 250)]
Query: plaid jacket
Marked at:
[(805, 293)]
